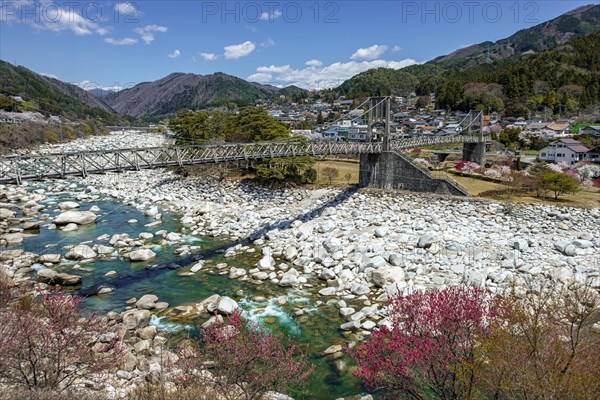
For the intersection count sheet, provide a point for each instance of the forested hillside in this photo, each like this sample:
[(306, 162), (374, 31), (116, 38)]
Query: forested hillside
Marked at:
[(565, 78), (50, 96)]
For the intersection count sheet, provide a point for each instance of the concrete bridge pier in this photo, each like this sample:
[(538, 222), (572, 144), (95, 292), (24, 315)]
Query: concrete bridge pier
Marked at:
[(391, 170), (474, 152)]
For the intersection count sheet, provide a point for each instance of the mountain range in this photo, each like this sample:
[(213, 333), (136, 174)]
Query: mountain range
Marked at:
[(186, 90), (580, 21), (547, 35), (178, 90), (50, 94), (162, 97)]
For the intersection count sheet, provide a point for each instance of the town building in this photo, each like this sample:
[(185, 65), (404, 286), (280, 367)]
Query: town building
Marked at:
[(566, 150)]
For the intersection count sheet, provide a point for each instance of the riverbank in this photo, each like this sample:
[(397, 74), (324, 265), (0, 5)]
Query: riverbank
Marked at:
[(436, 240), (315, 260)]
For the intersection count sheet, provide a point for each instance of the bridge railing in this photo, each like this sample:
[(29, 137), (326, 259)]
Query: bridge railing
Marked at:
[(58, 165)]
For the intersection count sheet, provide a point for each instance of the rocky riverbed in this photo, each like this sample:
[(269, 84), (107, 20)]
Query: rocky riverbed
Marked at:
[(114, 140), (356, 247), (344, 249), (348, 239)]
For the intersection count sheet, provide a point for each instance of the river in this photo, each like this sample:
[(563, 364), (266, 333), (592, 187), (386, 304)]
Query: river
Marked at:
[(296, 313)]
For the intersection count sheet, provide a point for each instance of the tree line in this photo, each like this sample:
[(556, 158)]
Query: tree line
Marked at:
[(250, 124)]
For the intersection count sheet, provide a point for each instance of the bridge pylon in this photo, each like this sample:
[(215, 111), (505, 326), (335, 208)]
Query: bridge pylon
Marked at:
[(379, 114), (475, 151)]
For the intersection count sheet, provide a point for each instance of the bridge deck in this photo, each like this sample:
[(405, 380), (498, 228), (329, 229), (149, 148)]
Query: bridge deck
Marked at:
[(15, 169)]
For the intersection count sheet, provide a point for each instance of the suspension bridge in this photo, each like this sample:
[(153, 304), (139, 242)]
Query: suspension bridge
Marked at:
[(17, 169)]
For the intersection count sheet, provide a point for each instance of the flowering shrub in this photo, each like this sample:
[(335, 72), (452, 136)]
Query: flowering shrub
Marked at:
[(428, 344), (245, 358), (544, 345), (504, 170), (559, 167), (417, 150), (587, 171), (422, 162), (581, 172), (51, 344), (493, 173), (468, 167), (574, 174), (462, 343), (471, 167), (596, 182)]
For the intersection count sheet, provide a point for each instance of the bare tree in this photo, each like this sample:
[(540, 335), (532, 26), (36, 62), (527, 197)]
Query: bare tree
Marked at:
[(331, 173), (348, 176)]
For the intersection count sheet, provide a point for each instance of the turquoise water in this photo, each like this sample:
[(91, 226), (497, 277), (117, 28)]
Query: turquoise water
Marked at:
[(313, 331)]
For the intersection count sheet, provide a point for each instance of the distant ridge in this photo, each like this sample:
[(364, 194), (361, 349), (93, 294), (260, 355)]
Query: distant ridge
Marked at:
[(580, 21), (52, 95), (577, 23), (180, 90)]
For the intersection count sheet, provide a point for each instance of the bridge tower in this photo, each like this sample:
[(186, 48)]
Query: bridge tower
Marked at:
[(379, 114), (475, 152)]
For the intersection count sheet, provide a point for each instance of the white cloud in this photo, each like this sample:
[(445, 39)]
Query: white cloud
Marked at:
[(265, 16), (236, 51), (314, 63), (48, 75), (274, 68), (89, 85), (260, 77), (46, 15), (369, 53), (121, 42), (318, 76), (127, 9), (268, 43), (209, 56), (396, 48), (60, 19), (175, 54), (147, 32)]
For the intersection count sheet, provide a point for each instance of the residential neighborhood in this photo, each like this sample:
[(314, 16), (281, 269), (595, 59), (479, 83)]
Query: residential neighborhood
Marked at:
[(555, 140)]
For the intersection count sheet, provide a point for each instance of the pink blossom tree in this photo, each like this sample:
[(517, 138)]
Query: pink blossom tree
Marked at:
[(428, 347), (239, 359), (459, 165), (467, 167), (471, 167), (51, 343)]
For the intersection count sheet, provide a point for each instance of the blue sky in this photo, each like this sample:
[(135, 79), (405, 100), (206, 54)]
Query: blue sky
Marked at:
[(313, 44)]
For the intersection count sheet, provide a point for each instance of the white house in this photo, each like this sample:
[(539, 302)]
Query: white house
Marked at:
[(564, 150)]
